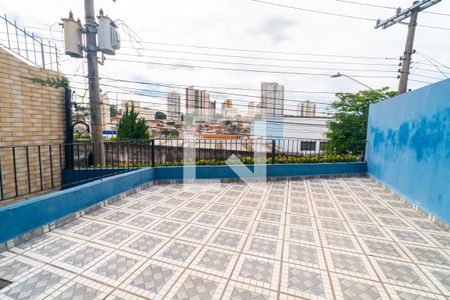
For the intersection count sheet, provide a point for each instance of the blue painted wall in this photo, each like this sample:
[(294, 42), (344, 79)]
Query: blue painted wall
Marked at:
[(20, 218), (275, 170), (408, 146), (71, 178)]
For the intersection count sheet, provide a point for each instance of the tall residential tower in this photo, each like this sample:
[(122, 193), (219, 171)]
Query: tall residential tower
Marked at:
[(272, 99), (174, 106)]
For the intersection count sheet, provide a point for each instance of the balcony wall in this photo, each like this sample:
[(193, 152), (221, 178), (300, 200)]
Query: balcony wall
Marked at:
[(408, 147)]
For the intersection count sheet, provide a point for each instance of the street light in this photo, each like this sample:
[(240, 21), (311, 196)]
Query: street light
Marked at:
[(357, 81)]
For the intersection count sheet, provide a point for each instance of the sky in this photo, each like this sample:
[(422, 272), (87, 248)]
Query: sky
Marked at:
[(248, 25)]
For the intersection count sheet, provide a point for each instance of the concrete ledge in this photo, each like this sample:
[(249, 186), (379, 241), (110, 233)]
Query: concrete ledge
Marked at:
[(72, 178), (276, 170), (22, 221)]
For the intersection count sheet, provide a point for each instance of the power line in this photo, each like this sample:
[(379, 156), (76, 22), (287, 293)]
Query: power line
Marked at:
[(260, 65), (389, 7), (315, 11), (431, 61), (244, 70), (260, 58), (337, 14), (253, 50), (266, 51)]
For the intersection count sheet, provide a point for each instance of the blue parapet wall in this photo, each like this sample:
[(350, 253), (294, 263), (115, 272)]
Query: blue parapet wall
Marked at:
[(408, 147), (22, 217), (26, 216), (276, 170)]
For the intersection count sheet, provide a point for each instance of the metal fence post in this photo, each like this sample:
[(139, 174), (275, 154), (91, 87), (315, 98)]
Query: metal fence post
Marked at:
[(153, 153), (69, 130), (273, 151)]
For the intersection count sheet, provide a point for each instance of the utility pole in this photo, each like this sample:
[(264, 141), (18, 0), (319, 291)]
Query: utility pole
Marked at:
[(108, 43), (412, 13), (94, 84), (407, 55)]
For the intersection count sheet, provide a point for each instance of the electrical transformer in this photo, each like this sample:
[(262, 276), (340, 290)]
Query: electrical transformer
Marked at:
[(108, 36), (73, 38)]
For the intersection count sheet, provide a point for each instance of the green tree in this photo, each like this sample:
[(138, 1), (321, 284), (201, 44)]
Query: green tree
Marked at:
[(132, 128), (159, 115), (347, 133)]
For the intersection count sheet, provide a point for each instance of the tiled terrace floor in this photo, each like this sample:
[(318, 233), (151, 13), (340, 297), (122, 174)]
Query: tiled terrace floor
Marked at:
[(316, 239)]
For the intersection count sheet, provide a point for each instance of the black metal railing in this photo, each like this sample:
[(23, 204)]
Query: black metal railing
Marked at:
[(29, 170), (28, 45)]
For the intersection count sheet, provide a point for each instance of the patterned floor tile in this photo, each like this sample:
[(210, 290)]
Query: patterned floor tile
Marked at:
[(304, 236), (195, 233), (305, 282), (300, 221), (115, 268), (54, 248), (384, 249), (183, 215), (196, 205), (116, 236), (440, 277), (152, 280), (305, 255), (228, 240), (82, 289), (428, 256), (37, 284), (267, 230), (141, 221), (209, 219), (231, 240), (369, 231), (116, 216), (145, 244), (441, 239), (332, 225), (167, 227), (349, 264), (257, 271), (408, 236), (402, 273), (353, 288), (92, 229), (393, 222), (340, 241), (215, 261), (178, 252), (402, 293), (159, 210), (259, 246), (236, 224), (195, 285), (82, 258), (219, 209), (138, 206), (17, 267), (240, 291)]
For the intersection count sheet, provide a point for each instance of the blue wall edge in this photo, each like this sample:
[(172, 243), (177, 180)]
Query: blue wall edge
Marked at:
[(440, 215), (28, 215)]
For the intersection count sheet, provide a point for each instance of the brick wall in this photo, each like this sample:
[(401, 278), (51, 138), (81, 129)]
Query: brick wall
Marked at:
[(30, 115)]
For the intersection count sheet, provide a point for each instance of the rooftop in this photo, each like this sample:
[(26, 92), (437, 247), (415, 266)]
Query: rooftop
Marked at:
[(316, 238)]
